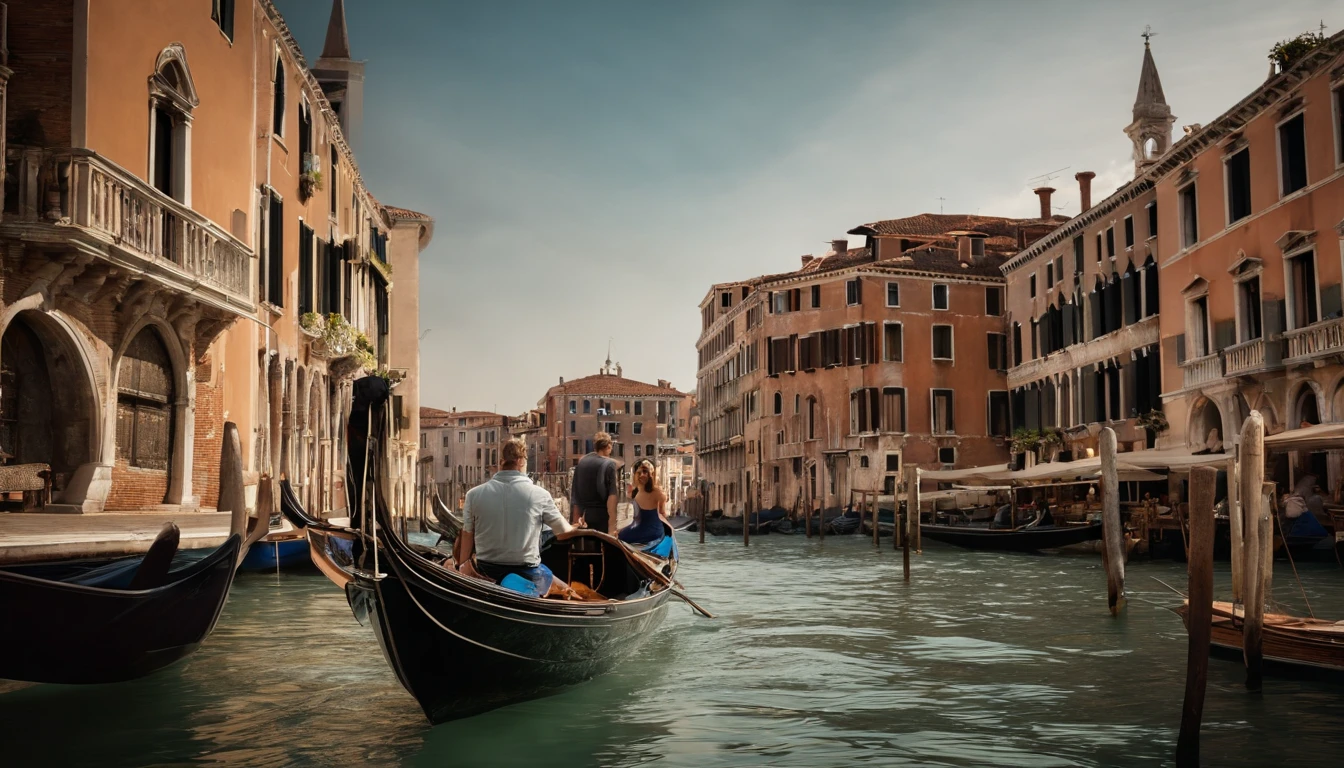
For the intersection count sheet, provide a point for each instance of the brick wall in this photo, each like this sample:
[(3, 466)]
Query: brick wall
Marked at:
[(41, 35), (209, 434), (134, 488)]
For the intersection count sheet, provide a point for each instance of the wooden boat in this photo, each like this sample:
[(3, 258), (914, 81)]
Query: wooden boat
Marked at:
[(104, 621), (276, 552), (1288, 640), (682, 523), (462, 645), (1021, 539)]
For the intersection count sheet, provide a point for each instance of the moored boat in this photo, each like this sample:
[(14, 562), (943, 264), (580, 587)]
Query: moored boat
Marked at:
[(1022, 539), (1304, 643)]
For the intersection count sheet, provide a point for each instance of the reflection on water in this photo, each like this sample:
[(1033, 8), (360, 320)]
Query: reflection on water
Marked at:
[(821, 657)]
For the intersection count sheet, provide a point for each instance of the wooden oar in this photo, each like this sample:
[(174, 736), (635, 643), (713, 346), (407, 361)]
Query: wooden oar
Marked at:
[(686, 599)]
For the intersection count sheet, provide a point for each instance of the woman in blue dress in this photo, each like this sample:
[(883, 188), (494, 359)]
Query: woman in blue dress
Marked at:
[(650, 506)]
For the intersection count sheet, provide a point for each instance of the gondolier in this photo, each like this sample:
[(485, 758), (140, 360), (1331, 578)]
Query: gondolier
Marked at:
[(595, 487)]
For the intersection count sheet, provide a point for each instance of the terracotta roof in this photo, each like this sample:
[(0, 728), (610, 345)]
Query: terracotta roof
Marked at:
[(436, 417), (935, 224), (406, 213), (608, 385)]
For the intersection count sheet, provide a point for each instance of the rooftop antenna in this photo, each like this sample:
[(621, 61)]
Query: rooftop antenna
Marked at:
[(1045, 178), (940, 204), (1322, 27), (1148, 34)]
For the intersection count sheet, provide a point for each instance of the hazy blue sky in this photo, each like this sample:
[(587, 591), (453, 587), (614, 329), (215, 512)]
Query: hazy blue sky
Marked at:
[(594, 167)]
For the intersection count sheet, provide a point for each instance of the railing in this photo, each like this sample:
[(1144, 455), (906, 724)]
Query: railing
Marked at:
[(1134, 336), (1320, 338), (1202, 370), (1250, 357), (94, 194)]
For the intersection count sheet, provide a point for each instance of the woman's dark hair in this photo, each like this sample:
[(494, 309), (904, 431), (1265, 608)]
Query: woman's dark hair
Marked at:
[(648, 486)]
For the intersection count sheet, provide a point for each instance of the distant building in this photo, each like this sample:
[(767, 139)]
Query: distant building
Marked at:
[(459, 450)]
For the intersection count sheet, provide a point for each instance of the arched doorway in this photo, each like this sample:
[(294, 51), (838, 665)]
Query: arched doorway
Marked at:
[(47, 407), (1306, 408), (146, 398), (1206, 424)]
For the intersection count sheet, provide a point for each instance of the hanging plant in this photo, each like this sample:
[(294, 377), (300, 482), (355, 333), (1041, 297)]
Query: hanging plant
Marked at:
[(1154, 421), (338, 340)]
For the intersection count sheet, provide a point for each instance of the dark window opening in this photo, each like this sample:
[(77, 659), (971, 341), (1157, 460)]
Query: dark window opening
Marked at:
[(893, 409), (947, 455), (940, 296), (942, 342), (275, 253), (1152, 219), (893, 294), (1189, 207), (853, 292), (1302, 290), (1129, 232), (943, 422), (221, 11), (993, 301), (1293, 154), (1239, 186), (998, 352), (1248, 301), (1078, 254), (278, 106), (305, 269), (816, 297), (998, 414), (892, 343)]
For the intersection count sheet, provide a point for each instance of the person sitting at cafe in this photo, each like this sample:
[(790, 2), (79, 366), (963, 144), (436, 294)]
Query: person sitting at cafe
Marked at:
[(501, 525)]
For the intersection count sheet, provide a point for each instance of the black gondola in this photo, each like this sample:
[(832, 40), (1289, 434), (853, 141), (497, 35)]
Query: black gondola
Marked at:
[(462, 645), (1024, 539), (104, 621)]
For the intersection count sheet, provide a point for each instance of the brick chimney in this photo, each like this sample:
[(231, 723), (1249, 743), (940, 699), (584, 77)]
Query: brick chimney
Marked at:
[(1044, 193), (839, 246), (807, 259), (964, 249), (664, 383), (1085, 188), (562, 379)]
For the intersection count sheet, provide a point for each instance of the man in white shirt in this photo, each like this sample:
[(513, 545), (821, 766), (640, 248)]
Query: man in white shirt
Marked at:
[(502, 523)]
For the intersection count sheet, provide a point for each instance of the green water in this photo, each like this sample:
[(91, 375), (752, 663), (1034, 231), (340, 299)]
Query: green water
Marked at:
[(821, 657)]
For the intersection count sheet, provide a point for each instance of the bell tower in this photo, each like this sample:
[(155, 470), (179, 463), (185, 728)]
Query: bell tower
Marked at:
[(342, 78), (1151, 130)]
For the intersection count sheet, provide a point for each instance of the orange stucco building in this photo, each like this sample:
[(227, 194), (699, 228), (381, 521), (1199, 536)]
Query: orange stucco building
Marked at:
[(188, 241)]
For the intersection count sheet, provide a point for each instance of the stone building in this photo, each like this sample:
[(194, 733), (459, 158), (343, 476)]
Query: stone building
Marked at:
[(641, 418), (460, 449), (186, 240), (828, 379)]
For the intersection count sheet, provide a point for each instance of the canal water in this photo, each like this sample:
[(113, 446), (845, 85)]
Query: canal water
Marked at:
[(821, 657)]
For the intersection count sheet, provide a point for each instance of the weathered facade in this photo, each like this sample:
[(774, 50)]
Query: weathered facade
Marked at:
[(186, 240), (460, 449)]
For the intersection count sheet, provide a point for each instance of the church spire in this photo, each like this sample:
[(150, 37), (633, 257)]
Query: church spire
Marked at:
[(1151, 130), (337, 45)]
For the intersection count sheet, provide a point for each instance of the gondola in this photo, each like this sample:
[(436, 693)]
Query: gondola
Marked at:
[(104, 621), (462, 645), (274, 552), (1294, 642), (1022, 539)]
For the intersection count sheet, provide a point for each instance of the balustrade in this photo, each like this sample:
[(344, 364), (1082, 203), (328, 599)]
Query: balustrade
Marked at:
[(1202, 370), (1315, 340)]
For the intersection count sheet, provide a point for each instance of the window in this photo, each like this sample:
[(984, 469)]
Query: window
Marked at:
[(144, 403), (275, 252), (1248, 309), (940, 296), (993, 301), (865, 407), (1238, 169), (947, 455), (478, 436), (943, 423), (863, 462), (893, 409), (576, 447), (221, 12), (816, 297), (306, 158), (1293, 154), (998, 414), (461, 437), (446, 462), (639, 407), (811, 418), (1189, 208), (893, 462), (639, 449), (779, 404), (1078, 254), (637, 427), (573, 427), (335, 168), (1129, 232), (1339, 125), (797, 403), (942, 342), (1099, 253), (893, 294), (305, 269), (1302, 306), (587, 406), (1031, 286), (977, 246), (648, 449), (1049, 275), (571, 406), (998, 352), (1198, 328), (853, 292), (612, 428), (172, 97), (1152, 220), (1110, 242), (726, 299), (278, 106), (892, 342)]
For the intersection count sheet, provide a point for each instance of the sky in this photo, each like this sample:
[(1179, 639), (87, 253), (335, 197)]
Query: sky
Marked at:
[(594, 167)]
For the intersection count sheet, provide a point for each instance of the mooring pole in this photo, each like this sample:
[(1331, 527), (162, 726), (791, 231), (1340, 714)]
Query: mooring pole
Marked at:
[(1110, 523), (1199, 613), (875, 523), (911, 505), (702, 504), (1253, 507), (918, 523), (232, 496), (746, 519), (1234, 520), (905, 543)]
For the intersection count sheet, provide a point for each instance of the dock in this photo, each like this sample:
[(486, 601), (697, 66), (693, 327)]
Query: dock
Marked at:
[(27, 537)]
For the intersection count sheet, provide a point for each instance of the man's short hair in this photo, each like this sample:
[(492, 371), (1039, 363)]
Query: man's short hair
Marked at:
[(601, 441), (514, 450)]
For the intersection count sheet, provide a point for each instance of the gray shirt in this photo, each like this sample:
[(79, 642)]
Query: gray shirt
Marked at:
[(594, 482), (505, 515)]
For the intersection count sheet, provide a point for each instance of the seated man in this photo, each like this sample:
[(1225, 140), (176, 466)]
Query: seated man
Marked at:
[(502, 522)]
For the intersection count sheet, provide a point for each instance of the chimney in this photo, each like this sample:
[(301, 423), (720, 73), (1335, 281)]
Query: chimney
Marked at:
[(839, 246), (664, 383), (454, 409), (618, 369), (1044, 194), (807, 259), (964, 249), (562, 379), (1085, 188)]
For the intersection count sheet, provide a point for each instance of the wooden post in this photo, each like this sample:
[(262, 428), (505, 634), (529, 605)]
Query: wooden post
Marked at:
[(1199, 617), (807, 517), (702, 504), (1253, 508), (1110, 524), (911, 504), (746, 519), (918, 523), (873, 503), (1234, 519), (904, 524), (232, 497)]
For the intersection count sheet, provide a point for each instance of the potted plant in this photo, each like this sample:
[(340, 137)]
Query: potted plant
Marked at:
[(1051, 439), (1155, 423), (310, 175)]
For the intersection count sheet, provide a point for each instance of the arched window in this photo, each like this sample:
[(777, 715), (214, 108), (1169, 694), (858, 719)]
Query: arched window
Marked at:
[(1149, 148), (145, 403), (172, 97), (278, 108), (811, 418), (779, 404)]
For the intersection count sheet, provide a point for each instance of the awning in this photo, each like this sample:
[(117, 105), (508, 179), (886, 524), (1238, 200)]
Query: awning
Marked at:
[(1132, 466), (1317, 437)]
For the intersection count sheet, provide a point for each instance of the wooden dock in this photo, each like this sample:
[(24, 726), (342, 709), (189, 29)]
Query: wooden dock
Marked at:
[(27, 537)]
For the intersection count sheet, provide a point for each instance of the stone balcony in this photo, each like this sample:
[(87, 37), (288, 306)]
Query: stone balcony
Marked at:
[(75, 200), (1136, 336), (1254, 356), (1199, 371), (1315, 342)]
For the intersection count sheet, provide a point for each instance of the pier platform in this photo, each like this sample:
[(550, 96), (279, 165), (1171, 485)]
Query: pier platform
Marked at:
[(27, 537)]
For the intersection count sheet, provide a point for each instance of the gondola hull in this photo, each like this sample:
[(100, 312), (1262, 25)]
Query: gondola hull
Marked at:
[(59, 632), (1011, 540), (270, 555), (459, 655), (1292, 642)]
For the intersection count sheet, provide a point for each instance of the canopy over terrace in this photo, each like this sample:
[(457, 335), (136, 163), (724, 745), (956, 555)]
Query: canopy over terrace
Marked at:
[(1132, 466), (1317, 437)]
